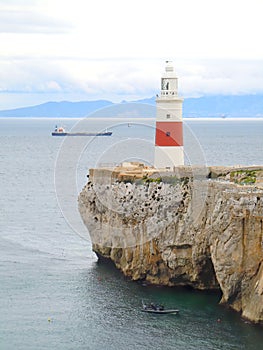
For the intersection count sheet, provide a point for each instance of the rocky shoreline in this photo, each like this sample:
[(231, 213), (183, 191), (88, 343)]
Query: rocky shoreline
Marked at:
[(199, 228)]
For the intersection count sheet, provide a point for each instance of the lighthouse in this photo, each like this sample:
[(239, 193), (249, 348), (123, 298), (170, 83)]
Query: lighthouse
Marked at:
[(169, 151)]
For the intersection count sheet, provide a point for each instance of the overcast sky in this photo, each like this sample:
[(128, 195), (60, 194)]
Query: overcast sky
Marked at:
[(53, 50)]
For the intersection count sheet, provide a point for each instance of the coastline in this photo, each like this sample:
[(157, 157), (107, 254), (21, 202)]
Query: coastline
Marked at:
[(153, 233), (135, 118)]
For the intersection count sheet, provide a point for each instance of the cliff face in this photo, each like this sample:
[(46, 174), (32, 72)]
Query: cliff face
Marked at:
[(198, 232)]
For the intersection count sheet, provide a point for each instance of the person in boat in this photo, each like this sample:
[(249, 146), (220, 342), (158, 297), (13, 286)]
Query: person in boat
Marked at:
[(153, 306), (160, 307)]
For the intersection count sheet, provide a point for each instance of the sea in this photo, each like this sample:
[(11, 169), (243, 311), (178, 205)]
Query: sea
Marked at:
[(54, 294)]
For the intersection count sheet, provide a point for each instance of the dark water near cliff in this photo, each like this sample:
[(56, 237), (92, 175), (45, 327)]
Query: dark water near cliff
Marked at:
[(54, 294)]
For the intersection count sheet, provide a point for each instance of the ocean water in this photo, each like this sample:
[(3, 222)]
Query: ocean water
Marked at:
[(53, 292)]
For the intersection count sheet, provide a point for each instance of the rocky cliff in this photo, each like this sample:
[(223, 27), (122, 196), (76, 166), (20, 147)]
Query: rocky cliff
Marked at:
[(203, 231)]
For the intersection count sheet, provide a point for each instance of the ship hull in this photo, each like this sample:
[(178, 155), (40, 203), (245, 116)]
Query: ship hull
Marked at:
[(108, 133)]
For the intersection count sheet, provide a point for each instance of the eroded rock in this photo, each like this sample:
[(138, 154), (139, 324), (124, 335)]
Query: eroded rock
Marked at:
[(197, 232)]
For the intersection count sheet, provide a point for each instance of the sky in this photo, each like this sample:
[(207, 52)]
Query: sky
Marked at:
[(75, 50)]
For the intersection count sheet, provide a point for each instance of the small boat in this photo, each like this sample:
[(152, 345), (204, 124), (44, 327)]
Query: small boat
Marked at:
[(158, 309), (62, 132)]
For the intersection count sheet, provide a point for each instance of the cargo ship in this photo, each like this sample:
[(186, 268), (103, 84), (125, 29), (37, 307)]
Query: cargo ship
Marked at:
[(59, 131)]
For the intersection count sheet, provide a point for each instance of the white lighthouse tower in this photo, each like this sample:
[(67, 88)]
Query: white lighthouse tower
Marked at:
[(169, 151)]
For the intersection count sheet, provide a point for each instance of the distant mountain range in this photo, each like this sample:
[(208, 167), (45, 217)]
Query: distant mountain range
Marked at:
[(208, 106)]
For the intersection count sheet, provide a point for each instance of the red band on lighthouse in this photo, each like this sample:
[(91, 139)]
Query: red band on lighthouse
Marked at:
[(169, 134)]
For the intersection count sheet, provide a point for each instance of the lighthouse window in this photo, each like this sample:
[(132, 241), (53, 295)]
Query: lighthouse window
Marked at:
[(168, 133), (168, 116)]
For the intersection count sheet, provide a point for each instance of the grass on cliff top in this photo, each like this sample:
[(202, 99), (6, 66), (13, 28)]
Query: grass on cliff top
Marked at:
[(171, 180), (243, 177)]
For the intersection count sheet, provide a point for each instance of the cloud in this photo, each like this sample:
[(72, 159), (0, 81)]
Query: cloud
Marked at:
[(31, 76), (32, 80), (116, 50), (30, 22), (210, 77), (28, 18)]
